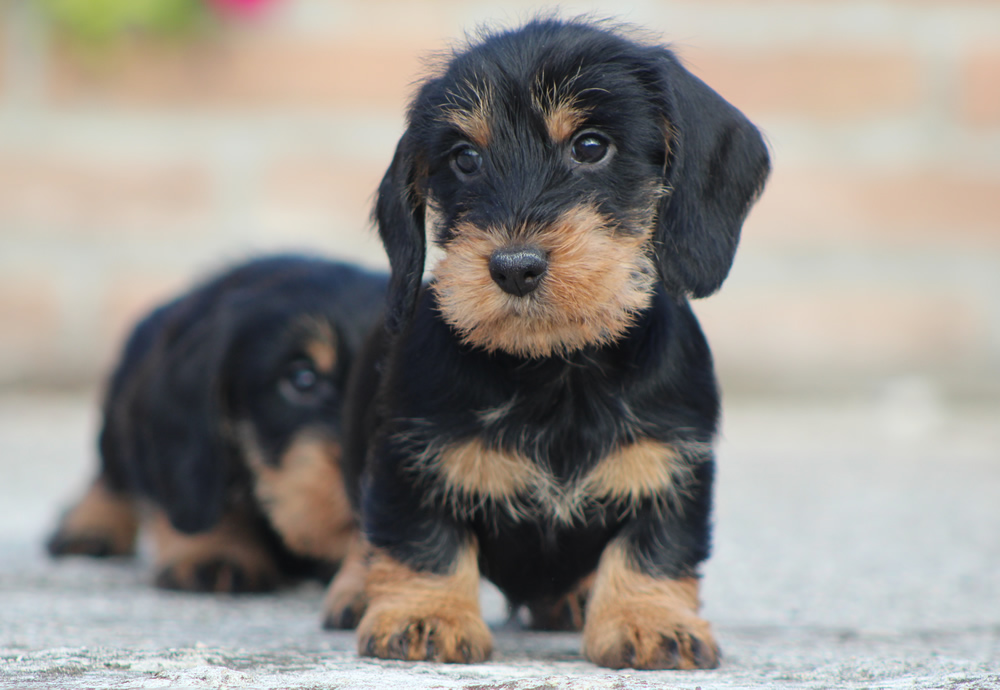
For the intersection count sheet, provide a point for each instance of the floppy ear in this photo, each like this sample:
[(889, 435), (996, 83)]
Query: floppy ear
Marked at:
[(716, 165), (116, 440), (166, 416), (399, 215)]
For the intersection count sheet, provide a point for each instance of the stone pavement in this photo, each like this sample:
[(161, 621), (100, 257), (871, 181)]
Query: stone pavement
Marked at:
[(858, 546)]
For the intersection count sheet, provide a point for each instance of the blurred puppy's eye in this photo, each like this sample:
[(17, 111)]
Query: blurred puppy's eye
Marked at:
[(589, 148), (301, 383), (303, 377), (466, 160)]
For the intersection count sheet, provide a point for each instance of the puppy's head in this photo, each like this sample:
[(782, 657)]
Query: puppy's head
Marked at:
[(237, 372), (563, 169)]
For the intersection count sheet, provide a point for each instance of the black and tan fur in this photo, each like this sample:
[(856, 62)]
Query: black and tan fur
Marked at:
[(542, 412), (221, 430)]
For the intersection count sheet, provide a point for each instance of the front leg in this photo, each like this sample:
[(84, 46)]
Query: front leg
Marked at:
[(420, 615), (421, 592), (638, 620), (231, 557), (104, 522), (643, 610)]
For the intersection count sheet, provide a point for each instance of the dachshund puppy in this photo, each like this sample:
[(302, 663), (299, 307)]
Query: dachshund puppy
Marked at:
[(222, 430), (542, 412)]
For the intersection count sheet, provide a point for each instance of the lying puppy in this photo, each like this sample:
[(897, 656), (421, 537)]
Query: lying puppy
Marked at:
[(222, 429), (546, 407)]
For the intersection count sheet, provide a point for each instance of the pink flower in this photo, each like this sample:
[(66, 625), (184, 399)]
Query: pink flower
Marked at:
[(243, 8)]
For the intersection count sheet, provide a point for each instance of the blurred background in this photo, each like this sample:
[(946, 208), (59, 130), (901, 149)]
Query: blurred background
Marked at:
[(145, 142)]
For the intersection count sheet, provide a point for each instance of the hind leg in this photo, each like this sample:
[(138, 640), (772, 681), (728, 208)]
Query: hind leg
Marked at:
[(102, 523), (565, 612)]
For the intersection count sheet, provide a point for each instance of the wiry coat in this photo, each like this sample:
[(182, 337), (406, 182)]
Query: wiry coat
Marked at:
[(555, 434)]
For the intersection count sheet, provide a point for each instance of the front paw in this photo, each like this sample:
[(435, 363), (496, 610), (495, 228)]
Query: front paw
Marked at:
[(345, 599), (220, 574), (228, 558), (642, 641), (450, 636), (421, 616), (644, 621)]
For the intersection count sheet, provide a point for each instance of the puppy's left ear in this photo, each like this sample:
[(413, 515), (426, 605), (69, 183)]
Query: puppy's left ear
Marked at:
[(716, 166)]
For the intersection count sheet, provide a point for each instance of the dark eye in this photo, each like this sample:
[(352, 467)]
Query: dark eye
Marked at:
[(302, 384), (466, 160), (302, 377), (589, 148)]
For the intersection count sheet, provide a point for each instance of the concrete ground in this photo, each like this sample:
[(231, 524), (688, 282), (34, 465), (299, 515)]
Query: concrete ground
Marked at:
[(857, 546)]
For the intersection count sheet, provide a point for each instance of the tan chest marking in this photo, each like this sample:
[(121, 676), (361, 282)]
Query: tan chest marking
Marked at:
[(472, 469), (475, 476), (634, 472)]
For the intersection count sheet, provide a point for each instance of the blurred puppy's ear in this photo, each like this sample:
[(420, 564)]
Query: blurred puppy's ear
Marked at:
[(716, 166), (164, 419)]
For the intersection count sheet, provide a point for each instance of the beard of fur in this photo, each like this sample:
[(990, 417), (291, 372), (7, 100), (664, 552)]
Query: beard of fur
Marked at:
[(598, 280)]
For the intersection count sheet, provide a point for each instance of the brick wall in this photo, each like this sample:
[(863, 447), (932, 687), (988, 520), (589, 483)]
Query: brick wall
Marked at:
[(873, 257)]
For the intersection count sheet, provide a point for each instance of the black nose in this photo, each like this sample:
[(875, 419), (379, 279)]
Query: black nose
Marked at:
[(518, 270)]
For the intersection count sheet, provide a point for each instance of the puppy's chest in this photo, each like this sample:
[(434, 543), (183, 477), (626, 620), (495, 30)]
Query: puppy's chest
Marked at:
[(477, 477)]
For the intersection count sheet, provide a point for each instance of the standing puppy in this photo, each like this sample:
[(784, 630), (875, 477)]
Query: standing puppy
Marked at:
[(546, 406), (222, 428)]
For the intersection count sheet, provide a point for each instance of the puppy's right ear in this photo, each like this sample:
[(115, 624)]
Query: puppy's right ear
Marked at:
[(399, 216), (119, 436)]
